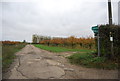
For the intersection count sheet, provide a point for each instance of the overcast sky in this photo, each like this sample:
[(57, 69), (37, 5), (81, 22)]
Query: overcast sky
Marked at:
[(63, 18)]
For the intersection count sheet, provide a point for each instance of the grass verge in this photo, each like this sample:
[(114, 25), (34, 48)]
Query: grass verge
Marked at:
[(60, 49), (8, 54), (91, 61)]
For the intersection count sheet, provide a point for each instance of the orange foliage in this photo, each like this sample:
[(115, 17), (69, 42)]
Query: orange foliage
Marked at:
[(71, 41), (10, 42)]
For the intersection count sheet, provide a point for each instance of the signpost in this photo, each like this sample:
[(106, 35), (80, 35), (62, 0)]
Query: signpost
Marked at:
[(96, 31)]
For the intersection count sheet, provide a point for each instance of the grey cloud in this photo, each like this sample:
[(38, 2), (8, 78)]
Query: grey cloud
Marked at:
[(21, 20)]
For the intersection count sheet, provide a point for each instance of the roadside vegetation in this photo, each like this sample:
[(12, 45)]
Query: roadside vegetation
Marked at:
[(90, 60), (8, 52)]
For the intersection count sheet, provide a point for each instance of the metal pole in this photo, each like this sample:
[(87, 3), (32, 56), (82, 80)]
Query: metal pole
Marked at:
[(110, 12), (98, 45), (98, 37)]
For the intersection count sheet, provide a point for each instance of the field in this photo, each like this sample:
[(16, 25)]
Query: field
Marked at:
[(8, 53), (60, 49)]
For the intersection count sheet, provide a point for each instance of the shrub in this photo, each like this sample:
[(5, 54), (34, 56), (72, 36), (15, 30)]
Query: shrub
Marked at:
[(105, 43)]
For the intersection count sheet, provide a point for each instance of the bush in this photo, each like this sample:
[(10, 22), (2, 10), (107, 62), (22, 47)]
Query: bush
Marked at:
[(98, 60), (105, 43)]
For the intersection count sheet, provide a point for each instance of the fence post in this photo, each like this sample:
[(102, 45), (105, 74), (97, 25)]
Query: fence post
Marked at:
[(111, 40)]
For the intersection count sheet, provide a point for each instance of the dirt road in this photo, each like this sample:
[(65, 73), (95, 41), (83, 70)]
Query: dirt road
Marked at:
[(34, 63)]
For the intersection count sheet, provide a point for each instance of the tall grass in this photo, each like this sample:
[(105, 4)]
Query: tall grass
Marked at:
[(8, 54), (91, 61)]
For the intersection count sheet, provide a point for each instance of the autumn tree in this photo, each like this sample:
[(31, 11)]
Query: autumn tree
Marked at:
[(72, 41)]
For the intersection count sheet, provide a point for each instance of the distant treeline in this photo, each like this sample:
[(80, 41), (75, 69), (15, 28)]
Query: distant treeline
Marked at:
[(71, 41), (10, 42)]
